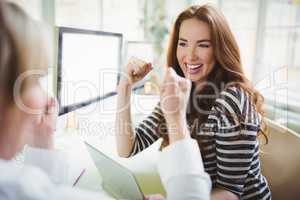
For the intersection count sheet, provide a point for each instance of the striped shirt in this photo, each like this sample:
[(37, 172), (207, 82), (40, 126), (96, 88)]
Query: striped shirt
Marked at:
[(229, 144)]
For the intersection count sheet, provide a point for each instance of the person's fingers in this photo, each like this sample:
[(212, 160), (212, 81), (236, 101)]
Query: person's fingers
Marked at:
[(148, 67), (48, 119), (172, 75), (134, 67), (169, 72), (170, 83), (139, 66), (131, 66), (169, 76), (184, 84), (52, 106), (139, 62), (162, 89), (145, 69), (169, 90), (55, 105), (172, 72), (130, 69)]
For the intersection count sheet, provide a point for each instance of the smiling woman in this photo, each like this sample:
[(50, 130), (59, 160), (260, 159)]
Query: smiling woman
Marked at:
[(223, 113), (203, 49)]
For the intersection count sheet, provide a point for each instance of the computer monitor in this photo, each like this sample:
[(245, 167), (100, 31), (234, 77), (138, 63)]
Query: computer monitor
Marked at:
[(89, 64)]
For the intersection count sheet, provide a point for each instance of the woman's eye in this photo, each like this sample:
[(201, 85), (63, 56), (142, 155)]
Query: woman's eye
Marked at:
[(204, 45), (182, 44)]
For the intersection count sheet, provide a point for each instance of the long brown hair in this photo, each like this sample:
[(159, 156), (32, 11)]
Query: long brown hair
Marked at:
[(228, 68)]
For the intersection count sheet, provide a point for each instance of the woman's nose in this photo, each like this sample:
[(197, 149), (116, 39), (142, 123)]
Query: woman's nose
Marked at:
[(192, 56)]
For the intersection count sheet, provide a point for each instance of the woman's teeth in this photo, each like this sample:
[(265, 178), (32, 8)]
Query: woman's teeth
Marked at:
[(193, 69)]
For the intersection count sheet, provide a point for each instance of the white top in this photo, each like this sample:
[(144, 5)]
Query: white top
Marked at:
[(44, 175), (181, 170)]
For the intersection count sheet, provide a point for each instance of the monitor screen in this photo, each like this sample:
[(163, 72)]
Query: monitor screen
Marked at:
[(88, 65)]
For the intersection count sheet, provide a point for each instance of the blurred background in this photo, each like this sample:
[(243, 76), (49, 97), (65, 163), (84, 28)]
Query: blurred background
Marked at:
[(268, 34)]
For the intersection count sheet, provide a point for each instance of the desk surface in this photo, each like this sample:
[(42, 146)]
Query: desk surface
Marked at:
[(79, 159), (95, 124)]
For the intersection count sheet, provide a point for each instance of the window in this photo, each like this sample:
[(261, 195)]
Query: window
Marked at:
[(200, 2), (123, 17), (296, 47), (78, 13), (278, 61), (244, 28)]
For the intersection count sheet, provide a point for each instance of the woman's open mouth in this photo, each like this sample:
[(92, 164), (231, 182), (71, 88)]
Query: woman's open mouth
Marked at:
[(193, 69)]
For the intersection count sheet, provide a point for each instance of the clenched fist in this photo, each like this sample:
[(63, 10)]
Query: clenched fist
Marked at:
[(136, 70), (174, 97)]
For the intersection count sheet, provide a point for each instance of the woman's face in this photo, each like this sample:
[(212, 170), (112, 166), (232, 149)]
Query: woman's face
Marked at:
[(194, 50)]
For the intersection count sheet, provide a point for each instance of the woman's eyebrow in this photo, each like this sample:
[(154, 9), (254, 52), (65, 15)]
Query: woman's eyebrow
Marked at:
[(198, 41), (205, 40), (185, 40)]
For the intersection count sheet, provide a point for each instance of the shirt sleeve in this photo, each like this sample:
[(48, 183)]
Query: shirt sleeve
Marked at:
[(52, 162), (236, 143), (149, 130), (181, 170)]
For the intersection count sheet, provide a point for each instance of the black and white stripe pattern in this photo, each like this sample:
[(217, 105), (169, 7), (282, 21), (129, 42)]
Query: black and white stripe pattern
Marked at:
[(230, 149)]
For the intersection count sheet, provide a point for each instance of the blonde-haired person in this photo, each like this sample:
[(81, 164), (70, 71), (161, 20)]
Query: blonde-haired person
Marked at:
[(224, 112), (28, 116)]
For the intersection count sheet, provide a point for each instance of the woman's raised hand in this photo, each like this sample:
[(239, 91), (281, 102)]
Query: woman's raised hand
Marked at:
[(136, 70)]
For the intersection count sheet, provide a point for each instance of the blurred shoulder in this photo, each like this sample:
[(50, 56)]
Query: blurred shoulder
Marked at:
[(231, 99), (237, 101)]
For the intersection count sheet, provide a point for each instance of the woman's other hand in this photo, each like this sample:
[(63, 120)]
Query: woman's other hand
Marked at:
[(174, 97), (175, 92), (136, 70)]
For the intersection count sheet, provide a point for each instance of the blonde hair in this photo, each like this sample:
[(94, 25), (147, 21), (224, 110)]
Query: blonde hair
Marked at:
[(23, 46)]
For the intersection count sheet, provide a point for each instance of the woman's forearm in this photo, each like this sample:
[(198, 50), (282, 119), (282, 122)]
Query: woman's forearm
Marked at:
[(124, 132)]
